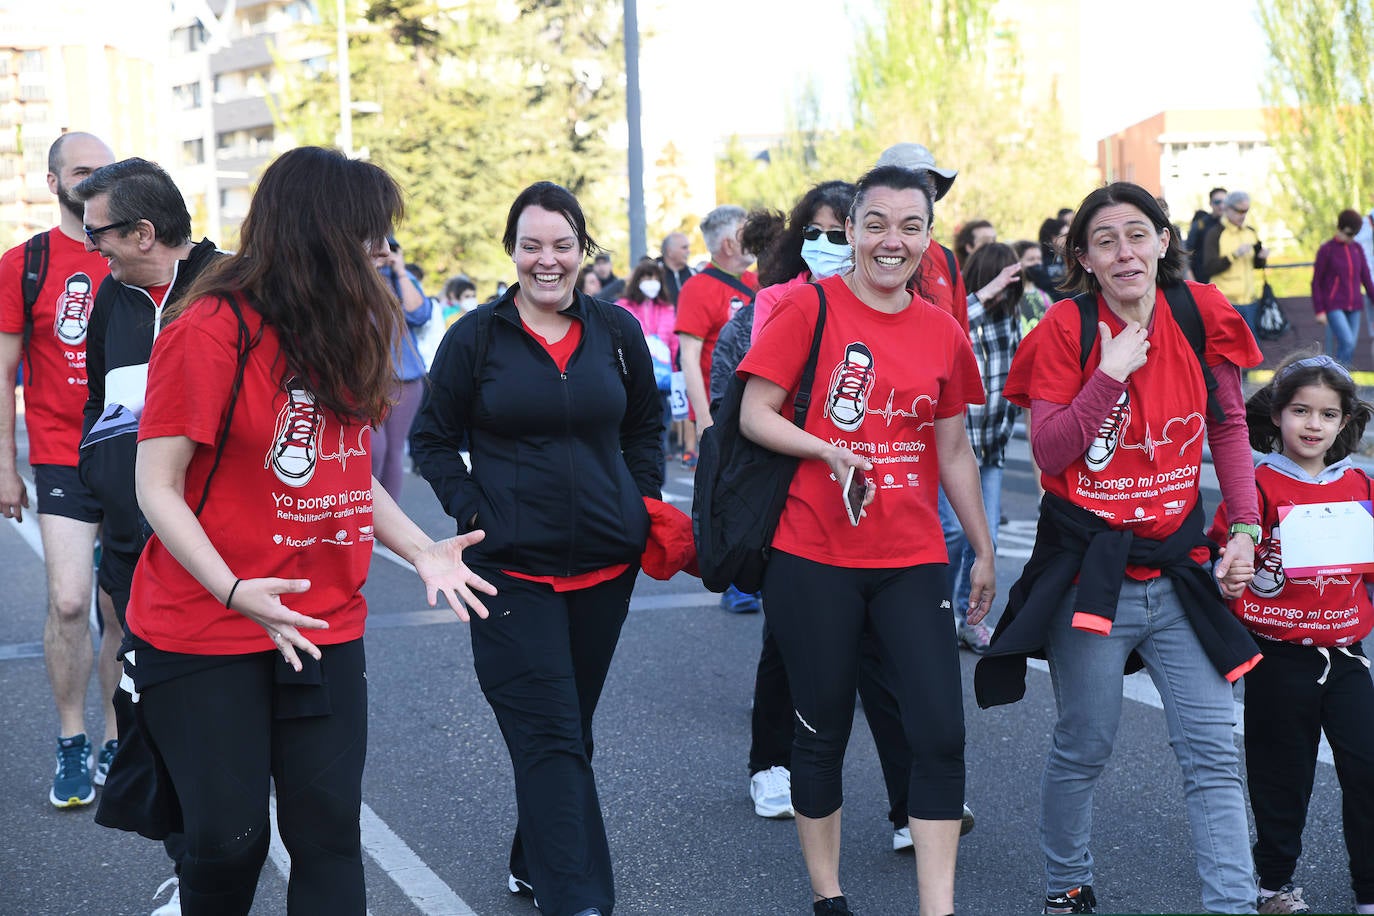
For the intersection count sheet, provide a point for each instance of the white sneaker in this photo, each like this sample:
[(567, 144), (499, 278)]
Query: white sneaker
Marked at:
[(771, 791), (173, 906), (901, 838), (521, 888)]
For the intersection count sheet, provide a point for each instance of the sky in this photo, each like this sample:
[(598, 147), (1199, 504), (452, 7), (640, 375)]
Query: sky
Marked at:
[(744, 60)]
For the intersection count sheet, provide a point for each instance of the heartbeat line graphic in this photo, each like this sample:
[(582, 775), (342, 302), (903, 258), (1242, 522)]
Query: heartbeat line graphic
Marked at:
[(343, 454), (1321, 582), (1148, 444), (888, 412)]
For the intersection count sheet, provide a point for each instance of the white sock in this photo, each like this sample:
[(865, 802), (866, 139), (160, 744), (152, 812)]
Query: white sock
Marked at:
[(1364, 908), (1266, 894)]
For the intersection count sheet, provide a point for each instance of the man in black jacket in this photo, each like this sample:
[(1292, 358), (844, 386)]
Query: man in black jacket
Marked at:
[(152, 264)]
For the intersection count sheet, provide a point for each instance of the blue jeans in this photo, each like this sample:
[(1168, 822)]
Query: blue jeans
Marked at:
[(960, 553), (1199, 707), (1342, 330), (1251, 315)]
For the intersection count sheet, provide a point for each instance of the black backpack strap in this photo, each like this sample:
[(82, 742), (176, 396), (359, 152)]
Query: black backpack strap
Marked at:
[(801, 404), (1087, 326), (246, 343), (35, 273), (479, 358), (1189, 320), (731, 281), (617, 339), (951, 263)]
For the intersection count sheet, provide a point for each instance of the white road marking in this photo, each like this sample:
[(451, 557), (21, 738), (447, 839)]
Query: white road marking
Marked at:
[(426, 890), (1016, 538)]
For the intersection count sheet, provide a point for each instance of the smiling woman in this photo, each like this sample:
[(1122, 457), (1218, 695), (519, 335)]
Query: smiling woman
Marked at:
[(901, 372), (555, 392)]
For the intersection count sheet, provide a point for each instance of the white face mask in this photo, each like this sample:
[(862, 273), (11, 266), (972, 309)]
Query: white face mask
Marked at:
[(467, 301), (650, 288)]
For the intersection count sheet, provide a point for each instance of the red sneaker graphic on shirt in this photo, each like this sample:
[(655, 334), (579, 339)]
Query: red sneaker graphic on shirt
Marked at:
[(296, 443), (850, 384), (74, 309), (1269, 578), (1103, 447)]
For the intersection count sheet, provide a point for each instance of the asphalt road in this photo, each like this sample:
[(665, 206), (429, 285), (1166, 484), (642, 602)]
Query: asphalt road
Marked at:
[(673, 734)]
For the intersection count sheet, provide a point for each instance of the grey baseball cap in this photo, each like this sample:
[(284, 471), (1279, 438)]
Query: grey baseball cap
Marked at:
[(916, 157)]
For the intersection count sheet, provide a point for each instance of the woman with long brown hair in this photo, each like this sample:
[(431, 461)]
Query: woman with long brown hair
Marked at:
[(253, 472)]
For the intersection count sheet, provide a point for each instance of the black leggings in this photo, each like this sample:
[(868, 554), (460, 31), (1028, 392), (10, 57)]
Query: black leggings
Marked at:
[(771, 734), (819, 614), (217, 734)]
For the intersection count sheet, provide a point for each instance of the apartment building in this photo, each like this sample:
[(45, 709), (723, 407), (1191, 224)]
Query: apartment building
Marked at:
[(77, 67), (223, 72)]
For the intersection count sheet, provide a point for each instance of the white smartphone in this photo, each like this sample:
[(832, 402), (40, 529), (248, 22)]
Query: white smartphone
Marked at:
[(854, 490)]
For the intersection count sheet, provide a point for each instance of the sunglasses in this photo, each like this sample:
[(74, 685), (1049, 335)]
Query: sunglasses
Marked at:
[(1219, 201), (92, 233), (834, 236)]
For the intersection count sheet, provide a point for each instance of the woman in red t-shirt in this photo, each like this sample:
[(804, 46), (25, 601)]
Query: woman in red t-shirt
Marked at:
[(897, 374), (1117, 575), (253, 470)]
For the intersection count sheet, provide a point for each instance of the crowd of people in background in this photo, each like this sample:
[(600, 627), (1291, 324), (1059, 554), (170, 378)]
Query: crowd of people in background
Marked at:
[(217, 379)]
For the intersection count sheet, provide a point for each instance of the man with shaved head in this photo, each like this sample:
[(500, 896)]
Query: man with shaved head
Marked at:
[(47, 287)]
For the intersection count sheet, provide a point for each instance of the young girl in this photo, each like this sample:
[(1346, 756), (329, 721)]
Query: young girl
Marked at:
[(1314, 675)]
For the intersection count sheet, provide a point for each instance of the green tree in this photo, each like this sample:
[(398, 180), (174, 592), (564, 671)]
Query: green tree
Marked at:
[(1319, 89), (477, 99), (947, 74)]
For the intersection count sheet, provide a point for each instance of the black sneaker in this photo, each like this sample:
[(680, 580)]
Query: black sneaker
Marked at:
[(1075, 900), (831, 906)]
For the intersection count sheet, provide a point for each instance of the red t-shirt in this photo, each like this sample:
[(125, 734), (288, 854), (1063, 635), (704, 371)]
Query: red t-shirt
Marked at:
[(1141, 471), (55, 385), (704, 306), (881, 382), (292, 496), (1323, 610)]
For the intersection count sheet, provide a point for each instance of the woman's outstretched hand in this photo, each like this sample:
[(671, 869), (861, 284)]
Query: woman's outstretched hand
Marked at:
[(443, 571)]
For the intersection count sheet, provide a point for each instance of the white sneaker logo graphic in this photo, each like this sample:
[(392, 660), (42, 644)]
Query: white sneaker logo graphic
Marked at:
[(73, 310), (295, 444), (1269, 578), (850, 384), (1103, 447)]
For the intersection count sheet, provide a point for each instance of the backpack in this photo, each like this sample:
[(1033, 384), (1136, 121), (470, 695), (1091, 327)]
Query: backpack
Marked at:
[(1186, 316), (741, 486), (35, 273), (1271, 322)]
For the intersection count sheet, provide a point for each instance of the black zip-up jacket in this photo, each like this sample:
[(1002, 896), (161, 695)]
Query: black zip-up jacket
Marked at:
[(1071, 541), (119, 341), (560, 461)]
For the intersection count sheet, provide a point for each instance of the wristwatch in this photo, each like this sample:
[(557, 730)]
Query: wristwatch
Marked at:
[(1252, 530)]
